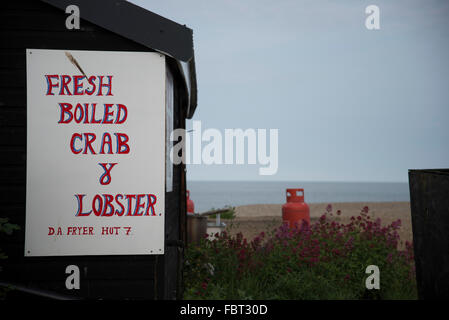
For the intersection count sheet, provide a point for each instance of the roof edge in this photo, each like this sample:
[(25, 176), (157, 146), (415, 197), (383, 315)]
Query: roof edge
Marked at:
[(144, 27)]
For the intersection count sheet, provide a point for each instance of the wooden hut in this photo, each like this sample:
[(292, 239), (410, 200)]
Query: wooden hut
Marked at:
[(105, 28)]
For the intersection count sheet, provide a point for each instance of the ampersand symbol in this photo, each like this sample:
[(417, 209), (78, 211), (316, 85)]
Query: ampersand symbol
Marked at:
[(105, 178)]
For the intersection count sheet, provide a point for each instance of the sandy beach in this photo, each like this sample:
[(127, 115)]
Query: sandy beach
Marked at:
[(253, 219)]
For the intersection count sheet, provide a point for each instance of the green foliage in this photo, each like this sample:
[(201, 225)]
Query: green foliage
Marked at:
[(326, 260), (6, 228), (229, 214)]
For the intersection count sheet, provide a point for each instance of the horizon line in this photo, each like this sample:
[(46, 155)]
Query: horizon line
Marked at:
[(327, 181)]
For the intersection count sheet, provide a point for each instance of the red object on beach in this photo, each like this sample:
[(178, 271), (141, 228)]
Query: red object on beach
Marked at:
[(190, 204), (295, 210)]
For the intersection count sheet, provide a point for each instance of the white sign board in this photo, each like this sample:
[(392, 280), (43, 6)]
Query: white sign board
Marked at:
[(95, 153)]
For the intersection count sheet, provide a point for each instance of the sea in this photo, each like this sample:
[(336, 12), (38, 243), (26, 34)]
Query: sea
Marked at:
[(208, 195)]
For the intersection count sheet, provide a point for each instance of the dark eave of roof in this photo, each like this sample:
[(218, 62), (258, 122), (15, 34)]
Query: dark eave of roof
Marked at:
[(144, 27)]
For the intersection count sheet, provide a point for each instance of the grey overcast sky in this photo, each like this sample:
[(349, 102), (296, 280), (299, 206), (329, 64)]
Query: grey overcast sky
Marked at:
[(350, 104)]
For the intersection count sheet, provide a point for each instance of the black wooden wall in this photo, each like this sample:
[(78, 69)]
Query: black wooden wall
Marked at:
[(34, 24), (429, 202)]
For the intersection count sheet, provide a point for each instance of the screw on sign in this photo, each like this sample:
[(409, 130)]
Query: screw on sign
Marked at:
[(295, 211), (190, 204)]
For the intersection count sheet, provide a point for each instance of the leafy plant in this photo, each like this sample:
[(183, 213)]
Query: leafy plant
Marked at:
[(326, 260), (6, 228), (229, 214)]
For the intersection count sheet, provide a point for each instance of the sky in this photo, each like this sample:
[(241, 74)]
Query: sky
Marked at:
[(350, 104)]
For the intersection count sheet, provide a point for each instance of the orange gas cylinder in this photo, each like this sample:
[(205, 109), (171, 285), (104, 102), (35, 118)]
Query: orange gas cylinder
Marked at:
[(190, 204), (295, 210)]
